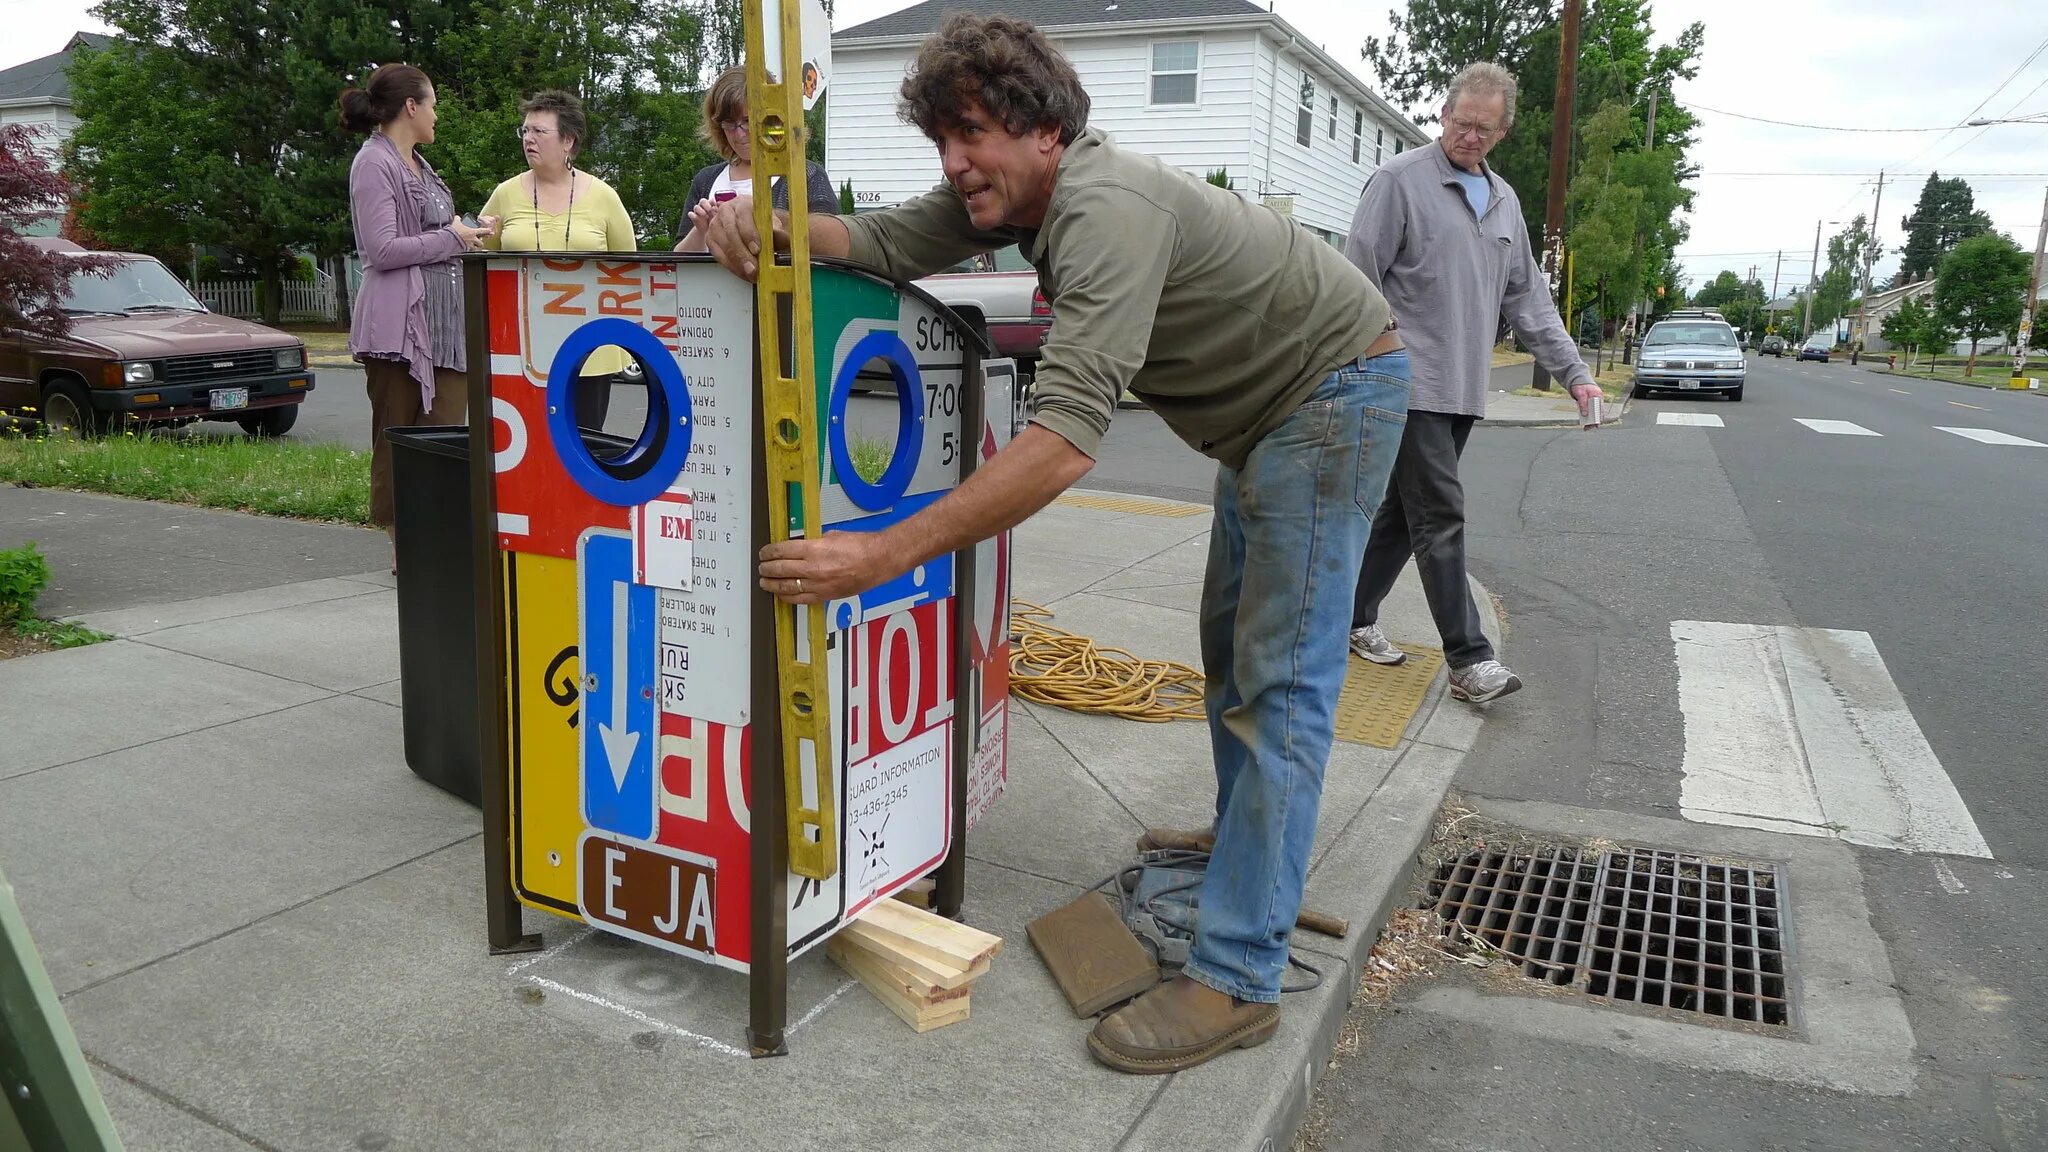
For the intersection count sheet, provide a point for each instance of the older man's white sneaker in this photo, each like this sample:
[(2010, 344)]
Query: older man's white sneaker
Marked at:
[(1372, 644), (1486, 680)]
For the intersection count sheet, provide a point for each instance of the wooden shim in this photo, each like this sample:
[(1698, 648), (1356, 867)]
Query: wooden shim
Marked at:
[(921, 1016), (885, 964), (931, 935), (941, 973)]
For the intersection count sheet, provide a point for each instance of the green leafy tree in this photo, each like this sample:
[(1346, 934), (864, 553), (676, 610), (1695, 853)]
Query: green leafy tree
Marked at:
[(1914, 327), (198, 127), (1606, 212), (1945, 216), (1838, 284), (1980, 289), (1718, 291), (1427, 45)]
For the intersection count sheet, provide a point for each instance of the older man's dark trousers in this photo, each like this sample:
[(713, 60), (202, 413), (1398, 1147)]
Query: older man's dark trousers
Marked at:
[(1423, 516)]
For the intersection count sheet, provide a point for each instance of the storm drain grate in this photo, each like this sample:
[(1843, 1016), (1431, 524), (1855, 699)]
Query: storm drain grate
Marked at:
[(1647, 927)]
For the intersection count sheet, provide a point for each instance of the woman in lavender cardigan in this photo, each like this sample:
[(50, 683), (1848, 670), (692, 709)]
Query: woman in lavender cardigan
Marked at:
[(407, 329)]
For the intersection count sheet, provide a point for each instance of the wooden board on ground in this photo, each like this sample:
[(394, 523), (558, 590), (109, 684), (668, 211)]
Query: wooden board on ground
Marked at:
[(918, 932), (921, 1014)]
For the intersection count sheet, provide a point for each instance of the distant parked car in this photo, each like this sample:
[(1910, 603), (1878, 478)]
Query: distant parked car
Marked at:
[(142, 349), (1691, 355), (1817, 348), (1773, 345), (1000, 291)]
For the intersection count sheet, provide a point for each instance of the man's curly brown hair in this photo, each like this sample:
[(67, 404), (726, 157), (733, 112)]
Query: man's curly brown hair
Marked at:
[(1004, 64)]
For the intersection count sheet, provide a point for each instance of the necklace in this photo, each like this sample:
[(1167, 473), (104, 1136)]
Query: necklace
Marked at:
[(568, 214)]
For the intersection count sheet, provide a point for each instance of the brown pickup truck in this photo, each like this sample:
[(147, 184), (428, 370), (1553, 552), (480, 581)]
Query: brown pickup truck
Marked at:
[(142, 350)]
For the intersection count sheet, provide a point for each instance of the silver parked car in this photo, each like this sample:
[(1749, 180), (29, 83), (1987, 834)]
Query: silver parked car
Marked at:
[(1691, 355)]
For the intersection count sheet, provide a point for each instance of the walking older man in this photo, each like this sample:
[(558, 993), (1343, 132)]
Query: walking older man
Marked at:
[(1441, 235), (1256, 344)]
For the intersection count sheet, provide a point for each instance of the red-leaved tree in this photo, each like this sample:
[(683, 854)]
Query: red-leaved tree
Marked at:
[(32, 281)]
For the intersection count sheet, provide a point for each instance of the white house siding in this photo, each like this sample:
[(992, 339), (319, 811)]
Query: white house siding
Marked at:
[(888, 161), (55, 124), (1322, 178)]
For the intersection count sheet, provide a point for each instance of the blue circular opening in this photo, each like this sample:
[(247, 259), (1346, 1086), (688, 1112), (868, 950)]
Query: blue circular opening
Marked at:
[(651, 465), (888, 488)]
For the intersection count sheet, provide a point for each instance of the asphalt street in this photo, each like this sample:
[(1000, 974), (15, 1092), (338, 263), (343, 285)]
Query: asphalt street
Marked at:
[(1931, 542)]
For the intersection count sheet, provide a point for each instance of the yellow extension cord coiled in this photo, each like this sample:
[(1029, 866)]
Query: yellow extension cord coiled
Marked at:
[(1050, 665)]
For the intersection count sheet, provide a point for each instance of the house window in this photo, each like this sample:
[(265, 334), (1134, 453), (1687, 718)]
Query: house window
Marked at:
[(1333, 117), (1176, 68), (1397, 147), (1357, 136), (1305, 120), (1379, 144)]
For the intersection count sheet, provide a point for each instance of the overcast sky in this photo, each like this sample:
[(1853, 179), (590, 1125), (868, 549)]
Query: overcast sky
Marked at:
[(1839, 63)]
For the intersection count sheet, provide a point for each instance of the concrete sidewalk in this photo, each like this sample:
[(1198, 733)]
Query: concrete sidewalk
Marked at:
[(268, 932)]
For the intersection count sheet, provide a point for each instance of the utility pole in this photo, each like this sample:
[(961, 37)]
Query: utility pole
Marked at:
[(1771, 325), (1560, 163), (2019, 355), (1642, 305), (1812, 283), (1869, 254)]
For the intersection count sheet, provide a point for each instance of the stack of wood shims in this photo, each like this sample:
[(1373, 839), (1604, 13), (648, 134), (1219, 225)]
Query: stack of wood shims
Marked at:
[(920, 964)]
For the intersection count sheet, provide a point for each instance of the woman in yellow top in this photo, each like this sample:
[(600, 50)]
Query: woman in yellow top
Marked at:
[(553, 207)]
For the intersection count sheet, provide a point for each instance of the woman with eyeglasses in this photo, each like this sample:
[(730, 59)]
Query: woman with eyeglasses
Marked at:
[(725, 128), (556, 207)]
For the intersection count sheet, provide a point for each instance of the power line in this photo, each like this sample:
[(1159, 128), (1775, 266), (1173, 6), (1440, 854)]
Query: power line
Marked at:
[(1889, 172), (1692, 107)]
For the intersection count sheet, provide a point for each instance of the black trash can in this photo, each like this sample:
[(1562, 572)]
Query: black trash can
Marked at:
[(436, 607), (437, 601)]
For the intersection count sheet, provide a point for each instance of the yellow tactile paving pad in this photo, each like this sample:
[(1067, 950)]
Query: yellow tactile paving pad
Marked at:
[(1135, 504), (1377, 701)]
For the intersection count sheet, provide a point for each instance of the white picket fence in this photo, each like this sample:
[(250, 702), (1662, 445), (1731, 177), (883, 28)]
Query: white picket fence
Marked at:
[(302, 300)]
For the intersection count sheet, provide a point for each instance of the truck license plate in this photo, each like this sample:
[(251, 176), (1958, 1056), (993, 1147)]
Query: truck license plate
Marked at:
[(222, 399)]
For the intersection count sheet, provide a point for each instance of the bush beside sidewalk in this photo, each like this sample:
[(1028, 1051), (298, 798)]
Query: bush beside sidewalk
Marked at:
[(24, 573)]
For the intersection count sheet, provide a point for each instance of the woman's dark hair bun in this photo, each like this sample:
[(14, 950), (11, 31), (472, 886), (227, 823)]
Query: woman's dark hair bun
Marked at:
[(382, 97), (356, 110)]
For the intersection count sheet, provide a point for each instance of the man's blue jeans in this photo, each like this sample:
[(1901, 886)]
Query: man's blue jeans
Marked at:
[(1289, 532)]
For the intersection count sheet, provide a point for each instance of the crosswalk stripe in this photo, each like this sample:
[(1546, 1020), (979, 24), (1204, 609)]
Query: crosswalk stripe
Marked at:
[(1839, 428), (1987, 436), (1691, 419), (1803, 730)]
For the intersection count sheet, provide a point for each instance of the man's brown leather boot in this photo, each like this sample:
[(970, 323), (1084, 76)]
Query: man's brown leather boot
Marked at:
[(1178, 1025), (1177, 840)]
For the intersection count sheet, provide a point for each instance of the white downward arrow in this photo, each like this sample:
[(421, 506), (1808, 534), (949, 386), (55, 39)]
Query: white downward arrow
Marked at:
[(619, 742)]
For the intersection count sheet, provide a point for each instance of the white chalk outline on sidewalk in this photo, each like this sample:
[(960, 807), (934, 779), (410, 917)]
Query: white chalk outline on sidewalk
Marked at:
[(1838, 427), (702, 1041), (1990, 436), (1803, 730)]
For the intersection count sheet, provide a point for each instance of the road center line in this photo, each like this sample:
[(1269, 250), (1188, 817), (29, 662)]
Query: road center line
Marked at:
[(1902, 391), (1802, 730), (1960, 404)]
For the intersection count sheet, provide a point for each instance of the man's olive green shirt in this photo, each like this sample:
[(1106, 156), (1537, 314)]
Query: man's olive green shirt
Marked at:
[(1221, 315)]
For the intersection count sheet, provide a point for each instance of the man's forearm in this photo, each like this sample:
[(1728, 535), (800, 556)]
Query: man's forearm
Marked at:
[(1003, 492), (829, 236)]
